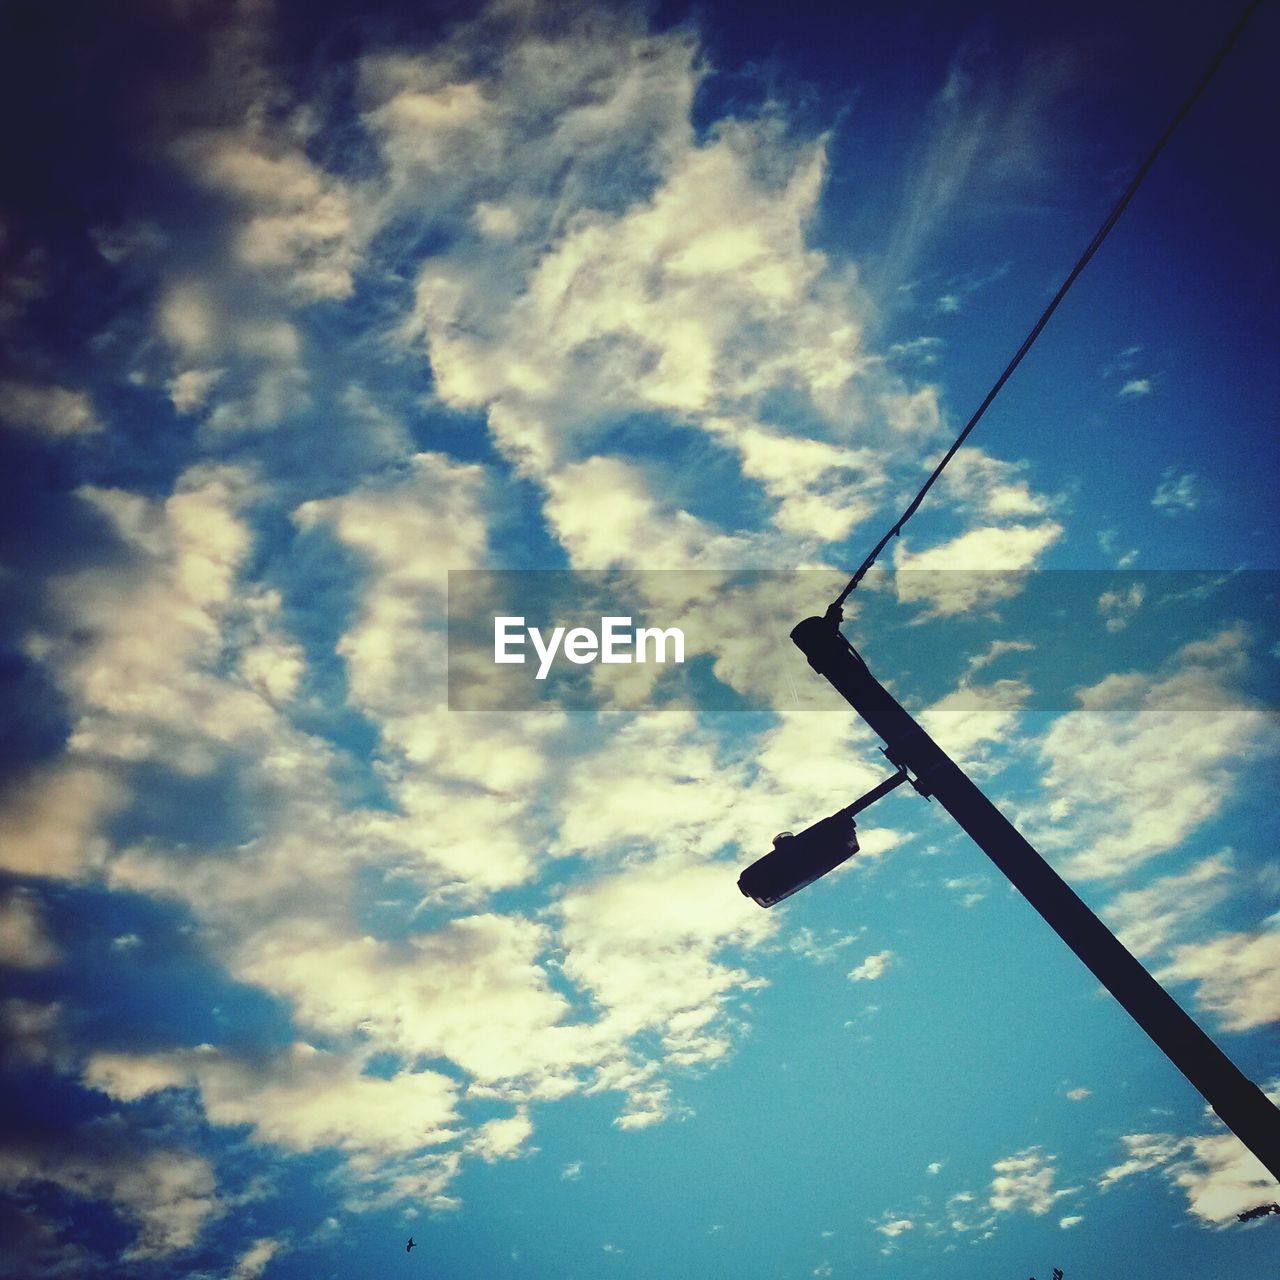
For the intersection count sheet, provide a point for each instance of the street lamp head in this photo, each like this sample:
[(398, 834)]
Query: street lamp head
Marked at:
[(798, 860)]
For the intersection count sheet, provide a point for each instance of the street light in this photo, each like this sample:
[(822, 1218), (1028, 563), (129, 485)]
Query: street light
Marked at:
[(1238, 1101), (799, 860)]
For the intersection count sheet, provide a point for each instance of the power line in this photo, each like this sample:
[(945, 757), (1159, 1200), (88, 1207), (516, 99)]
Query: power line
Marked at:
[(1094, 245)]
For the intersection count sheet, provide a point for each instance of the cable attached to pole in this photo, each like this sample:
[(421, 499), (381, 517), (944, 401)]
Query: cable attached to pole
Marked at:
[(834, 609)]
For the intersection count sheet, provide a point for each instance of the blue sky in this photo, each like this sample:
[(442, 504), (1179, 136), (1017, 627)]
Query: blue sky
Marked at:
[(303, 308)]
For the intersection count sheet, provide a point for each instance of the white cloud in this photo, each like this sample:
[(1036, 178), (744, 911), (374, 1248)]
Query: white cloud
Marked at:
[(472, 991), (1147, 920), (964, 1214), (1135, 387), (684, 285), (605, 514), (1025, 1181), (47, 410), (392, 651), (49, 826), (303, 1099), (503, 1138), (972, 889), (822, 490), (31, 1032), (468, 787), (296, 221), (974, 570), (289, 232), (997, 650), (1071, 1220), (807, 945), (164, 655), (1078, 1094), (1219, 1176), (894, 1226), (1176, 493), (1119, 607), (168, 1194), (800, 770), (872, 967), (1146, 759), (220, 341), (985, 142), (24, 941), (1107, 544), (969, 720), (658, 304), (924, 350), (253, 1261), (643, 943), (992, 487), (189, 390), (1237, 976)]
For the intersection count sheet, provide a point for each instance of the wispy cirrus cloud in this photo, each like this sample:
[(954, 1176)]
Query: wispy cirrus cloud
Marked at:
[(986, 142)]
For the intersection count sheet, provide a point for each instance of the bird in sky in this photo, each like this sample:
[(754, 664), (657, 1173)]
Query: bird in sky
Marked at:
[(409, 1246)]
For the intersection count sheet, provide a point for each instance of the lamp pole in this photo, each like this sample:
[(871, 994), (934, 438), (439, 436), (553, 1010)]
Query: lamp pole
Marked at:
[(1239, 1103)]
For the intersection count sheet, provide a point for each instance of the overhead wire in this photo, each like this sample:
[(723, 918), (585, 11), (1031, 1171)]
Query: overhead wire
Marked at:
[(834, 609)]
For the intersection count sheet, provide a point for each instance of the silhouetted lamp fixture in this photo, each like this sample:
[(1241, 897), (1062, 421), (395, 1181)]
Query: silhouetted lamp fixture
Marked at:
[(800, 859)]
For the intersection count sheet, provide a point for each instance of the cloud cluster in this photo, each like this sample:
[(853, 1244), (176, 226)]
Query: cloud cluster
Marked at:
[(168, 1195), (1023, 1183), (614, 305), (1146, 759), (1218, 1175)]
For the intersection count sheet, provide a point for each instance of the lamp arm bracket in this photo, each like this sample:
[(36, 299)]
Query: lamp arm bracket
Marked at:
[(892, 753), (878, 791)]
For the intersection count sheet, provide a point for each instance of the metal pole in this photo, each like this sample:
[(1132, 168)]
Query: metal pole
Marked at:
[(1239, 1103)]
